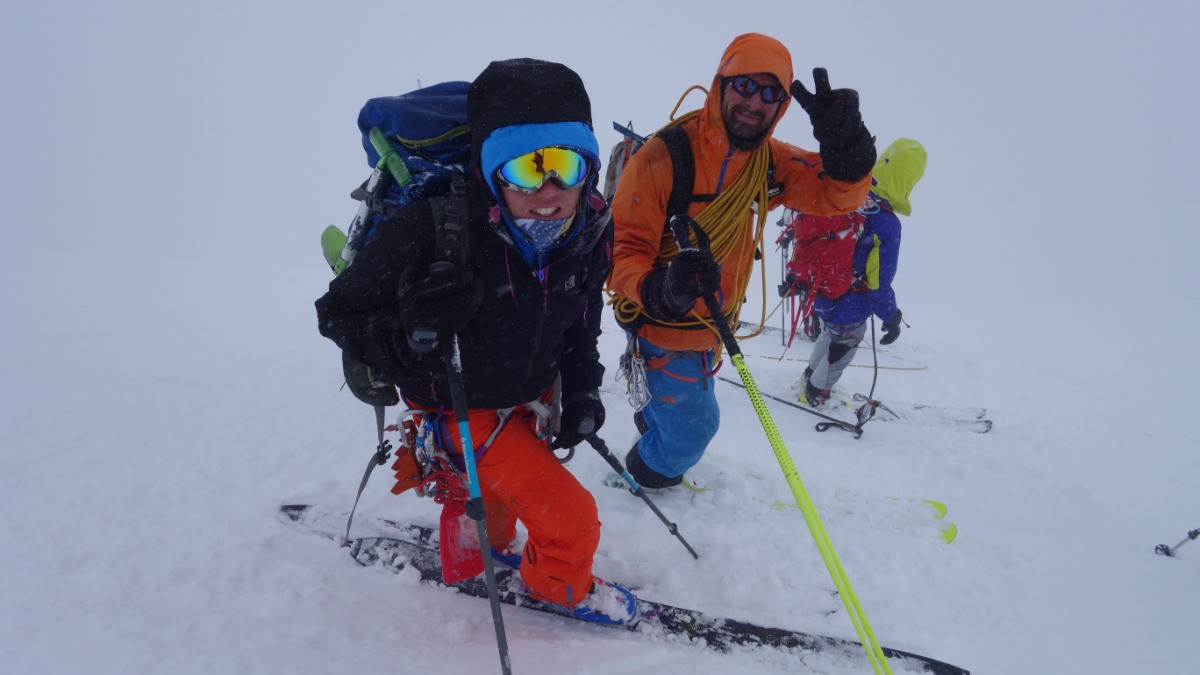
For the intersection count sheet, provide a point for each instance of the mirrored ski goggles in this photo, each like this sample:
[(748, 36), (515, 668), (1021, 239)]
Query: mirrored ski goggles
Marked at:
[(529, 172), (745, 86)]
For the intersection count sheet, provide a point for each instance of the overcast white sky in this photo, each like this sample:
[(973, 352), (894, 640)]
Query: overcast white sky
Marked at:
[(1061, 134)]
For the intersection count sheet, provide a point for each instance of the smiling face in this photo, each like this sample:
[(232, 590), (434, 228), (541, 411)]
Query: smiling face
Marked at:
[(549, 203), (747, 118)]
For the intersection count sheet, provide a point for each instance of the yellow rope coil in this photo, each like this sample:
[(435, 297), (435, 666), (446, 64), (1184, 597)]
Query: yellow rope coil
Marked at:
[(723, 221)]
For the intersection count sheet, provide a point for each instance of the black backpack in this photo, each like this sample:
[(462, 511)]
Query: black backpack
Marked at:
[(419, 147)]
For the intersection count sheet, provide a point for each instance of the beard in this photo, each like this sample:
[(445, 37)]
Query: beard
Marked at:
[(746, 130)]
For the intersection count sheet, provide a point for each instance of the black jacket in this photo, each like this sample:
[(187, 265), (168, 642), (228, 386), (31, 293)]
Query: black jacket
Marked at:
[(527, 331)]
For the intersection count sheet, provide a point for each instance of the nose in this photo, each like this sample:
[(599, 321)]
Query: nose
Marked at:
[(756, 101)]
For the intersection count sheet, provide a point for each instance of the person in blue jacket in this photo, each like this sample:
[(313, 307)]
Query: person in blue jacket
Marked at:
[(876, 255)]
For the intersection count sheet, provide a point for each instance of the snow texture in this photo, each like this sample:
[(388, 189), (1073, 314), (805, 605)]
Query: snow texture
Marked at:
[(166, 174)]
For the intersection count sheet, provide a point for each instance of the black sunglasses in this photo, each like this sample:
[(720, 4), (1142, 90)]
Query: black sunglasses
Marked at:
[(746, 87)]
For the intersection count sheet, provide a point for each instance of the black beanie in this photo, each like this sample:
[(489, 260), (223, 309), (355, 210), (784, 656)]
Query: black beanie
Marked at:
[(524, 91)]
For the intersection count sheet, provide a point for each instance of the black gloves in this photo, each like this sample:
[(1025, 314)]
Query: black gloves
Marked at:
[(385, 349), (439, 304), (582, 415), (691, 274), (847, 148), (368, 384), (891, 329), (670, 293)]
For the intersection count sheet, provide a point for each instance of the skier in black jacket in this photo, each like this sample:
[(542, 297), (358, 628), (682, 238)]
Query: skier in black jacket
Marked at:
[(526, 312)]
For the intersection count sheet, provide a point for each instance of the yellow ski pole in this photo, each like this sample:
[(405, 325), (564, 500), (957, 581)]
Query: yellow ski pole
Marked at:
[(679, 228)]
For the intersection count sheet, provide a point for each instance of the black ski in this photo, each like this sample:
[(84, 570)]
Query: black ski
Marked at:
[(416, 546)]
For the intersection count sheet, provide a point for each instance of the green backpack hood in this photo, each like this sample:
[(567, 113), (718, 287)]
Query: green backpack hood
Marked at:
[(897, 171)]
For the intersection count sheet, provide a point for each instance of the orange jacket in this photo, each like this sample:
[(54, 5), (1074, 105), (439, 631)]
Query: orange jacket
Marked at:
[(640, 204)]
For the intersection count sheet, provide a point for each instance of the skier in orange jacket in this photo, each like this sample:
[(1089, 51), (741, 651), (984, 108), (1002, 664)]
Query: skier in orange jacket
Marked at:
[(739, 172)]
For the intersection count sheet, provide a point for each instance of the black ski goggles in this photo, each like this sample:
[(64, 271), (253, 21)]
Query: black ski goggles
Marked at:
[(746, 87), (529, 172)]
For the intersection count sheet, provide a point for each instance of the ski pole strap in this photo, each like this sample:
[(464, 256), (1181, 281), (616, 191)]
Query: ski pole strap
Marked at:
[(381, 455)]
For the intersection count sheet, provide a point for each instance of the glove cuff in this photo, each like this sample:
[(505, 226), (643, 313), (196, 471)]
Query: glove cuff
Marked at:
[(852, 160)]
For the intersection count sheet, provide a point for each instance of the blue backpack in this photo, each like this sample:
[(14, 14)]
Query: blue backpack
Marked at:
[(419, 147)]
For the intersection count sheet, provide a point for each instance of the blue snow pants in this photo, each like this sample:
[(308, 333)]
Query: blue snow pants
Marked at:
[(682, 416)]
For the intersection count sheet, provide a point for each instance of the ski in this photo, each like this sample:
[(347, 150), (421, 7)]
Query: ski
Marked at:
[(829, 422), (687, 487), (414, 546), (967, 418), (915, 510)]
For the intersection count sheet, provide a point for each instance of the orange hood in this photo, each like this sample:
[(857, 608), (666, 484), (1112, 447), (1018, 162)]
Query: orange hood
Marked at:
[(749, 53)]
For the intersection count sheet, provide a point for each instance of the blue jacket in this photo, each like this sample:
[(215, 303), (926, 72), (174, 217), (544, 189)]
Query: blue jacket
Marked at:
[(875, 259)]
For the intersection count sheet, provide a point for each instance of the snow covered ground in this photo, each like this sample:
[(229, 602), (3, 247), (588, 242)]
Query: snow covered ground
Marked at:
[(167, 171)]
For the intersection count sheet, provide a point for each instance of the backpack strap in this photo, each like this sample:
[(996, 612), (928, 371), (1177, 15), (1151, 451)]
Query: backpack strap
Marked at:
[(683, 167), (450, 214), (683, 164)]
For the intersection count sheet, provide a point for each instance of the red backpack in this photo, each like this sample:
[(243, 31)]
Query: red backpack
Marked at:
[(823, 251), (822, 261)]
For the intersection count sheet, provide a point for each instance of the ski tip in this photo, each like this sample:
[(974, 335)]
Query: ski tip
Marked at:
[(949, 533), (939, 508), (333, 240)]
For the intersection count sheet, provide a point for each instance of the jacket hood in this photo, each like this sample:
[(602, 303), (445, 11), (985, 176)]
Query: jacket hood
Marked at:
[(749, 53), (897, 171), (521, 92), (517, 106)]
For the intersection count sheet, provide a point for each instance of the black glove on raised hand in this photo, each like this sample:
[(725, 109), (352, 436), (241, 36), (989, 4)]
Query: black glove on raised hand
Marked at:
[(582, 415), (891, 329), (847, 148), (439, 304)]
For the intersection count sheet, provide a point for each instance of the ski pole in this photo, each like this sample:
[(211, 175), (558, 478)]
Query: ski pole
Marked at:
[(1169, 551), (602, 448), (821, 426), (475, 508), (679, 228)]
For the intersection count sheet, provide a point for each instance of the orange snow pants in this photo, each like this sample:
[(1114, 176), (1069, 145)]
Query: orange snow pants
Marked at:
[(520, 479)]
